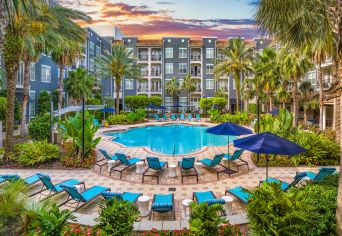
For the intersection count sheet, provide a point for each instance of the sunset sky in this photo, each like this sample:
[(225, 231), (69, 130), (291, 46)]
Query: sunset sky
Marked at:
[(156, 18)]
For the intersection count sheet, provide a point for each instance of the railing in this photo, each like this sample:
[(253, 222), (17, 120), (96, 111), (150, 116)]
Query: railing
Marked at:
[(155, 73), (195, 57), (156, 57), (143, 57)]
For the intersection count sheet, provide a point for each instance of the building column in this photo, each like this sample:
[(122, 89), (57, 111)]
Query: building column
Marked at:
[(324, 117), (334, 114)]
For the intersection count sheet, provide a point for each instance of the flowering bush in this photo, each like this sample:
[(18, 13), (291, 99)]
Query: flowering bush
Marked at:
[(70, 158), (78, 230), (155, 232)]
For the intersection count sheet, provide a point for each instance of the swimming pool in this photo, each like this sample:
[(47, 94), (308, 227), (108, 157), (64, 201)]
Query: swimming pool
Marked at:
[(170, 139)]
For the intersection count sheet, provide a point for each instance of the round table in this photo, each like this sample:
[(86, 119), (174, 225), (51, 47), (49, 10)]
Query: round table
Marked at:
[(186, 205), (305, 180), (111, 163), (140, 167), (143, 203), (199, 166), (172, 171), (228, 204)]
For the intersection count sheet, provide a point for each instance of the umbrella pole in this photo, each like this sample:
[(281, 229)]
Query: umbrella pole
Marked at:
[(228, 155), (266, 167)]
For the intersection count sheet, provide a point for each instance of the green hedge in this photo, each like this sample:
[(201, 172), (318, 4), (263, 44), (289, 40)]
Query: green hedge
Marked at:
[(141, 101), (208, 103), (39, 127), (127, 118)]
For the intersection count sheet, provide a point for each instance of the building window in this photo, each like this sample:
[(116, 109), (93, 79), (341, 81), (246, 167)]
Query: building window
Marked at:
[(92, 65), (183, 101), (182, 68), (312, 77), (20, 74), (209, 69), (32, 104), (129, 84), (130, 52), (168, 52), (183, 53), (180, 82), (168, 68), (33, 72), (209, 84), (98, 51), (46, 74), (91, 48), (209, 53), (168, 101)]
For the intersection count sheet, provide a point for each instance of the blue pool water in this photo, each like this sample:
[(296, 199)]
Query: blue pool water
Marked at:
[(170, 139)]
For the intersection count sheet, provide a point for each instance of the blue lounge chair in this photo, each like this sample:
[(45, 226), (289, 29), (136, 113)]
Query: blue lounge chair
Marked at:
[(165, 118), (182, 117), (173, 117), (157, 118), (187, 167), (84, 197), (215, 165), (322, 173), (189, 117), (14, 177), (105, 160), (155, 168), (54, 188), (126, 196), (97, 123), (236, 159), (242, 194), (124, 162), (198, 117), (284, 185), (163, 203), (207, 197)]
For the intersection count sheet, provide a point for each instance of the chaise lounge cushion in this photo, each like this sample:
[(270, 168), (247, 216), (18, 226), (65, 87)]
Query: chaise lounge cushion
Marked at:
[(240, 193)]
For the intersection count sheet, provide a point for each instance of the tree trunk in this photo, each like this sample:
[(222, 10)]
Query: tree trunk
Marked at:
[(3, 23), (60, 89), (339, 192), (295, 102), (26, 87), (237, 92), (117, 89), (284, 105), (321, 96), (271, 104), (305, 115)]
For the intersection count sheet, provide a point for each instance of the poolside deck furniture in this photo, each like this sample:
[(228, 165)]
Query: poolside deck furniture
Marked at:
[(173, 117), (240, 193), (182, 117), (82, 198), (189, 117), (126, 196), (163, 203), (236, 159), (54, 189), (155, 168), (14, 177), (284, 185), (165, 118), (187, 168), (198, 117), (322, 173), (125, 163), (97, 123), (207, 197), (157, 118), (105, 160), (214, 165)]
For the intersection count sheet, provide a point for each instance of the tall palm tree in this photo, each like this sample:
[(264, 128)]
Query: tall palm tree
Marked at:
[(282, 94), (172, 87), (307, 94), (119, 64), (189, 85), (238, 62)]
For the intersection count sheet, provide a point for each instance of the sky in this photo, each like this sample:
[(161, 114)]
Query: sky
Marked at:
[(152, 19)]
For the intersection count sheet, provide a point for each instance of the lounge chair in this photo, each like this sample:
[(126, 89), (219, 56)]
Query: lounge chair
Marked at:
[(97, 123), (54, 188), (198, 117), (322, 173), (236, 159), (214, 163), (125, 162), (189, 117), (14, 177), (173, 117), (163, 203), (84, 197), (165, 118), (284, 185), (126, 196), (207, 197), (157, 118), (105, 160), (242, 194), (187, 168), (155, 168), (182, 117)]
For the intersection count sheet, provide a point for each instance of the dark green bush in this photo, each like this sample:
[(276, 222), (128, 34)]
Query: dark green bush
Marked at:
[(39, 127), (117, 119), (43, 102), (253, 108), (241, 118), (215, 102), (136, 102), (155, 100), (3, 109)]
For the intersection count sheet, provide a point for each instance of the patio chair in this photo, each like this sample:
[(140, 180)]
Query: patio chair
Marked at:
[(284, 185), (187, 167), (322, 173), (163, 203), (214, 163), (182, 117), (84, 197), (14, 177), (97, 123), (173, 117), (207, 197), (157, 118), (105, 160), (165, 118), (236, 159), (240, 193), (55, 188), (198, 117), (126, 196), (155, 168), (125, 162), (189, 117)]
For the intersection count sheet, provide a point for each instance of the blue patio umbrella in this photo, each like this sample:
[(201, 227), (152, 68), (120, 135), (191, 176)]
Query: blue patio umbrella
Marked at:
[(176, 106), (269, 143), (160, 107), (107, 109), (274, 112), (151, 106), (228, 129)]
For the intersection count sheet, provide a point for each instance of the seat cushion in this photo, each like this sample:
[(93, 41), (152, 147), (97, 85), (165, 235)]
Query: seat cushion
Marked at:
[(215, 201), (240, 193), (162, 207), (131, 197), (206, 161), (93, 192), (133, 161), (112, 195), (204, 196), (310, 174), (70, 182), (162, 164), (2, 180), (32, 179), (283, 186)]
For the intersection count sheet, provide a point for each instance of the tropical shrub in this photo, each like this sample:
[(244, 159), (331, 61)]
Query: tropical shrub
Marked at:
[(240, 118), (79, 230), (68, 158), (117, 217), (37, 152), (3, 109), (128, 118), (43, 102), (155, 232), (96, 113), (141, 113), (155, 100), (215, 102), (39, 127), (135, 102), (93, 101), (117, 119), (253, 108), (215, 115), (109, 101), (132, 117)]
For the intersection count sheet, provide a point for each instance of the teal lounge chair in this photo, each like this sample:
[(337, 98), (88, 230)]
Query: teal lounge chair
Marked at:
[(284, 185), (105, 160), (14, 177), (187, 167), (163, 203), (165, 118), (124, 162), (97, 123), (189, 117), (157, 118), (322, 173), (236, 159), (198, 117), (155, 168), (215, 165), (173, 117), (242, 194), (84, 197), (126, 196), (54, 189), (207, 197), (182, 117)]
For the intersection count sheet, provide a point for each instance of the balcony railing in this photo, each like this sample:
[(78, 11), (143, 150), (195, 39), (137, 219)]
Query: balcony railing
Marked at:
[(156, 90), (143, 57), (156, 57), (155, 73), (196, 73), (142, 89), (195, 57)]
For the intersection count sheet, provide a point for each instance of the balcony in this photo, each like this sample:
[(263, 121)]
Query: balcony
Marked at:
[(142, 89), (143, 57), (156, 55), (195, 71), (156, 89), (195, 57)]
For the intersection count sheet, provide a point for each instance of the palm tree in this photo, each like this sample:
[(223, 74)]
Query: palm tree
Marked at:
[(307, 94), (189, 85), (282, 94), (172, 87), (119, 64), (238, 62), (79, 84)]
